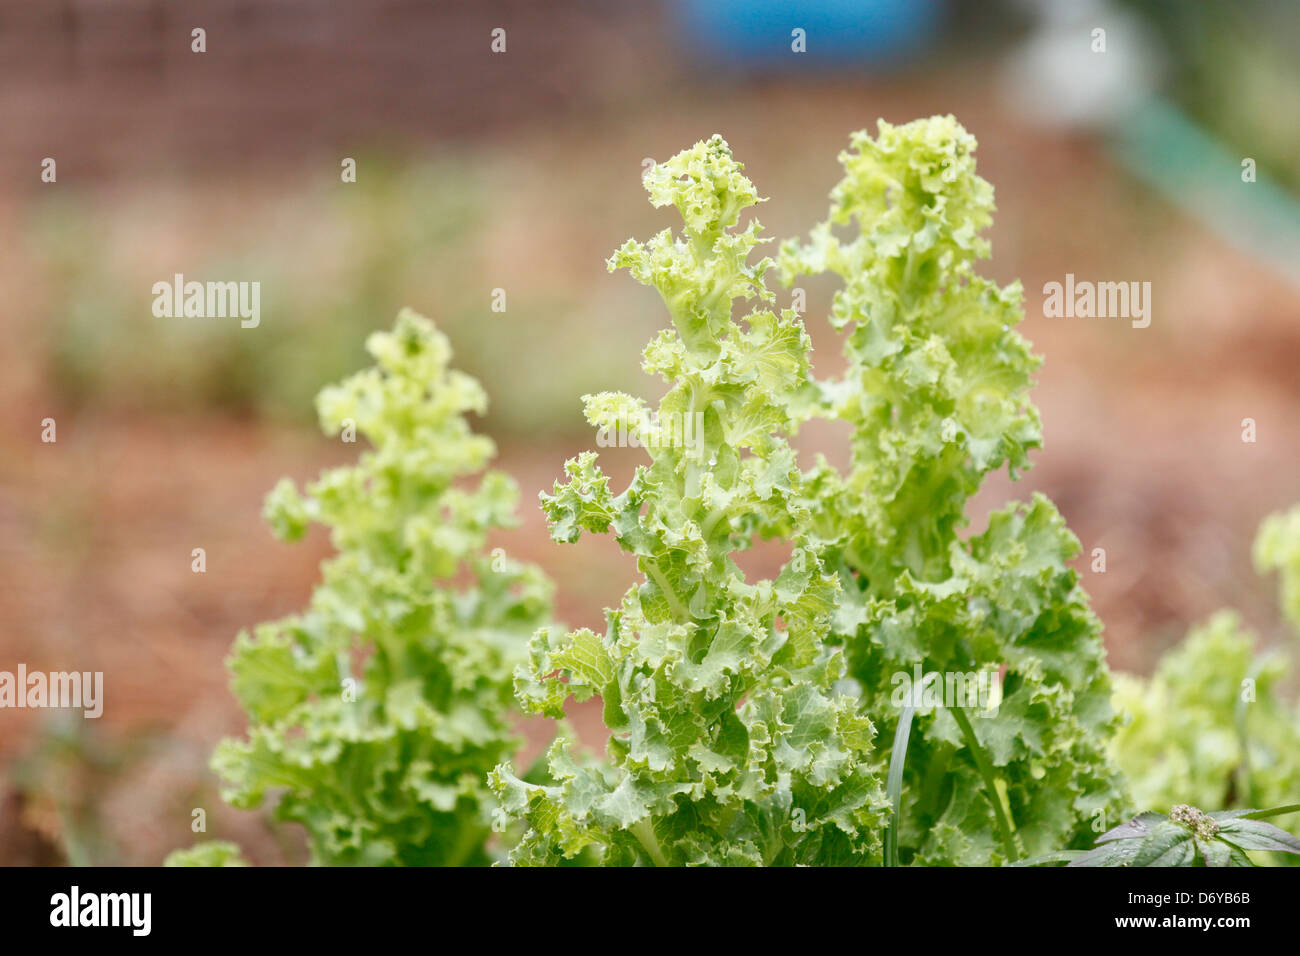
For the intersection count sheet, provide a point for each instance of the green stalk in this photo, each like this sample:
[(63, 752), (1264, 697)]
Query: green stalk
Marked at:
[(1245, 786), (644, 832), (711, 521), (990, 782), (894, 785), (661, 580)]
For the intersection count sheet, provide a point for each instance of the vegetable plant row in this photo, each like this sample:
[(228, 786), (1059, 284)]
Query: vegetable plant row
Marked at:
[(900, 693)]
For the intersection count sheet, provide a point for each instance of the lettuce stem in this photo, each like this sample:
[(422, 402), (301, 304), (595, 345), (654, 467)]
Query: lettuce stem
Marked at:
[(990, 782), (644, 832), (661, 581)]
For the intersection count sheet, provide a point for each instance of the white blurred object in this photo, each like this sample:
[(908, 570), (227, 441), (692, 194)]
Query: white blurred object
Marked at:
[(1057, 78)]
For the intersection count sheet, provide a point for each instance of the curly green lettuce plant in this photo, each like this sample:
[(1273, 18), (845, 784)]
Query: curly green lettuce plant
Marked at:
[(733, 739), (936, 397), (376, 713), (750, 721)]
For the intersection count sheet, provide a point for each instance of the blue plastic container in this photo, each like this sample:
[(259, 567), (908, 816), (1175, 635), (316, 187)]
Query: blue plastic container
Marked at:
[(836, 32)]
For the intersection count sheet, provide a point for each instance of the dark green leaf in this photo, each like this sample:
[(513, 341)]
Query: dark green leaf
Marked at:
[(1215, 853), (1115, 853), (1139, 826), (1258, 835), (1163, 838)]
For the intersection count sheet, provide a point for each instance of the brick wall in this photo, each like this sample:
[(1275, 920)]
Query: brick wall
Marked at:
[(99, 83)]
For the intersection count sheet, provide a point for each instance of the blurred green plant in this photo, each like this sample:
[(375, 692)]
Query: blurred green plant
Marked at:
[(60, 781), (1211, 726), (1230, 65)]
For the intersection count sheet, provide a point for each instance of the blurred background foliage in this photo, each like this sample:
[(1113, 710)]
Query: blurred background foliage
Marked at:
[(331, 262), (1232, 67)]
